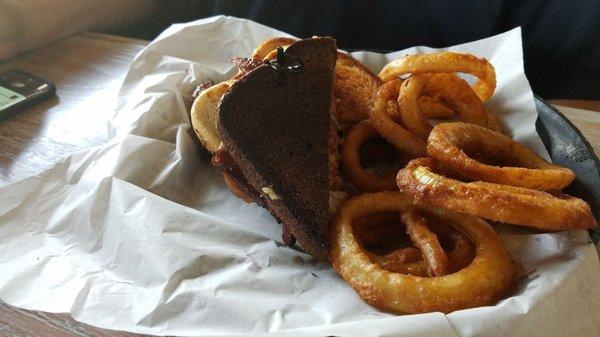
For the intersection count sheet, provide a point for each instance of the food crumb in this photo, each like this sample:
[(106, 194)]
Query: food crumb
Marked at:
[(271, 193)]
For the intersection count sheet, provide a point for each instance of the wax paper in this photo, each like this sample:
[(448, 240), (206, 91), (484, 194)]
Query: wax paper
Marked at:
[(140, 234)]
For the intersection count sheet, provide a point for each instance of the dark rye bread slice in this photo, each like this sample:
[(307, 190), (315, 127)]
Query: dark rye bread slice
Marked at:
[(276, 129)]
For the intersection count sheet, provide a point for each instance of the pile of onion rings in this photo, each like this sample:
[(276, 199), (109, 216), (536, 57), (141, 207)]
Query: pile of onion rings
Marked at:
[(506, 203), (451, 144), (418, 243)]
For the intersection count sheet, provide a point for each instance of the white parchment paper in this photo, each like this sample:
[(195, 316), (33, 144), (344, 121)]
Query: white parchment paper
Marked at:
[(139, 234)]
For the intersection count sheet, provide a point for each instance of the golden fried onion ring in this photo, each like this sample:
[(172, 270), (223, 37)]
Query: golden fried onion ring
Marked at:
[(427, 242), (398, 136), (430, 107), (408, 106), (405, 261), (462, 251), (270, 45), (433, 108), (445, 62), (482, 282), (451, 143), (357, 175), (508, 204), (380, 230), (461, 98), (395, 261), (454, 91)]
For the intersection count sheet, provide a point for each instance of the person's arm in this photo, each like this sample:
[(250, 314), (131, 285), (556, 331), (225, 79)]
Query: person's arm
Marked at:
[(29, 24)]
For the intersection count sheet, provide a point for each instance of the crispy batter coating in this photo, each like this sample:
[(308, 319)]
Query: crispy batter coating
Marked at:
[(394, 133), (455, 144), (269, 45), (424, 239), (363, 180), (431, 107), (455, 92), (508, 204), (380, 235), (482, 282), (445, 62)]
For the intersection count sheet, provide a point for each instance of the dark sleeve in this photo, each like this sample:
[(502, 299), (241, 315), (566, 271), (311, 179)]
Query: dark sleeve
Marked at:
[(561, 39), (381, 24)]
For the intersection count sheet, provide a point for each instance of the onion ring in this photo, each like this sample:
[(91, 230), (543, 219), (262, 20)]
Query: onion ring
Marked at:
[(405, 261), (427, 242), (462, 254), (451, 143), (406, 255), (408, 105), (378, 229), (400, 261), (462, 251), (461, 98), (508, 204), (362, 179), (269, 45), (482, 282), (454, 91), (430, 107), (433, 108), (398, 136), (445, 62)]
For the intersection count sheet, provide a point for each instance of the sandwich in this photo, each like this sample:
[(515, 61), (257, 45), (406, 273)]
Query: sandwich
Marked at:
[(273, 131)]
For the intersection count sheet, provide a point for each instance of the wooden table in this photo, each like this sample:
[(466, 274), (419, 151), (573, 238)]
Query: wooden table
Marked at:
[(88, 69)]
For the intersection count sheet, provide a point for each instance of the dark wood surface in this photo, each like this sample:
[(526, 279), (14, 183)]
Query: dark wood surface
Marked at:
[(88, 69)]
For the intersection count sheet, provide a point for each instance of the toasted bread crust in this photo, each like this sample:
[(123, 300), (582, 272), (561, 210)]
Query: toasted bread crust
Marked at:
[(355, 86), (276, 129)]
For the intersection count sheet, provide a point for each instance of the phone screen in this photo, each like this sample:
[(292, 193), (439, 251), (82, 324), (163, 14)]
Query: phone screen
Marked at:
[(9, 97), (19, 88)]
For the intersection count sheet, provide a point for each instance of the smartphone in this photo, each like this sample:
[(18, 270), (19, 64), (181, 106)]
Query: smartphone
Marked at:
[(20, 90)]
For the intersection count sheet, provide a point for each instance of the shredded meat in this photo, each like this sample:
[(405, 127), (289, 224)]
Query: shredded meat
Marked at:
[(245, 65), (199, 89), (223, 161)]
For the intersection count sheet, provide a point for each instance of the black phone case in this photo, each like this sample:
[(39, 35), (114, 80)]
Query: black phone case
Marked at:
[(29, 101)]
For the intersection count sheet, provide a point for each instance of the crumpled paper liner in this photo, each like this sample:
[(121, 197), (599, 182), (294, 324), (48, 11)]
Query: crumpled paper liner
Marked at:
[(141, 235)]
